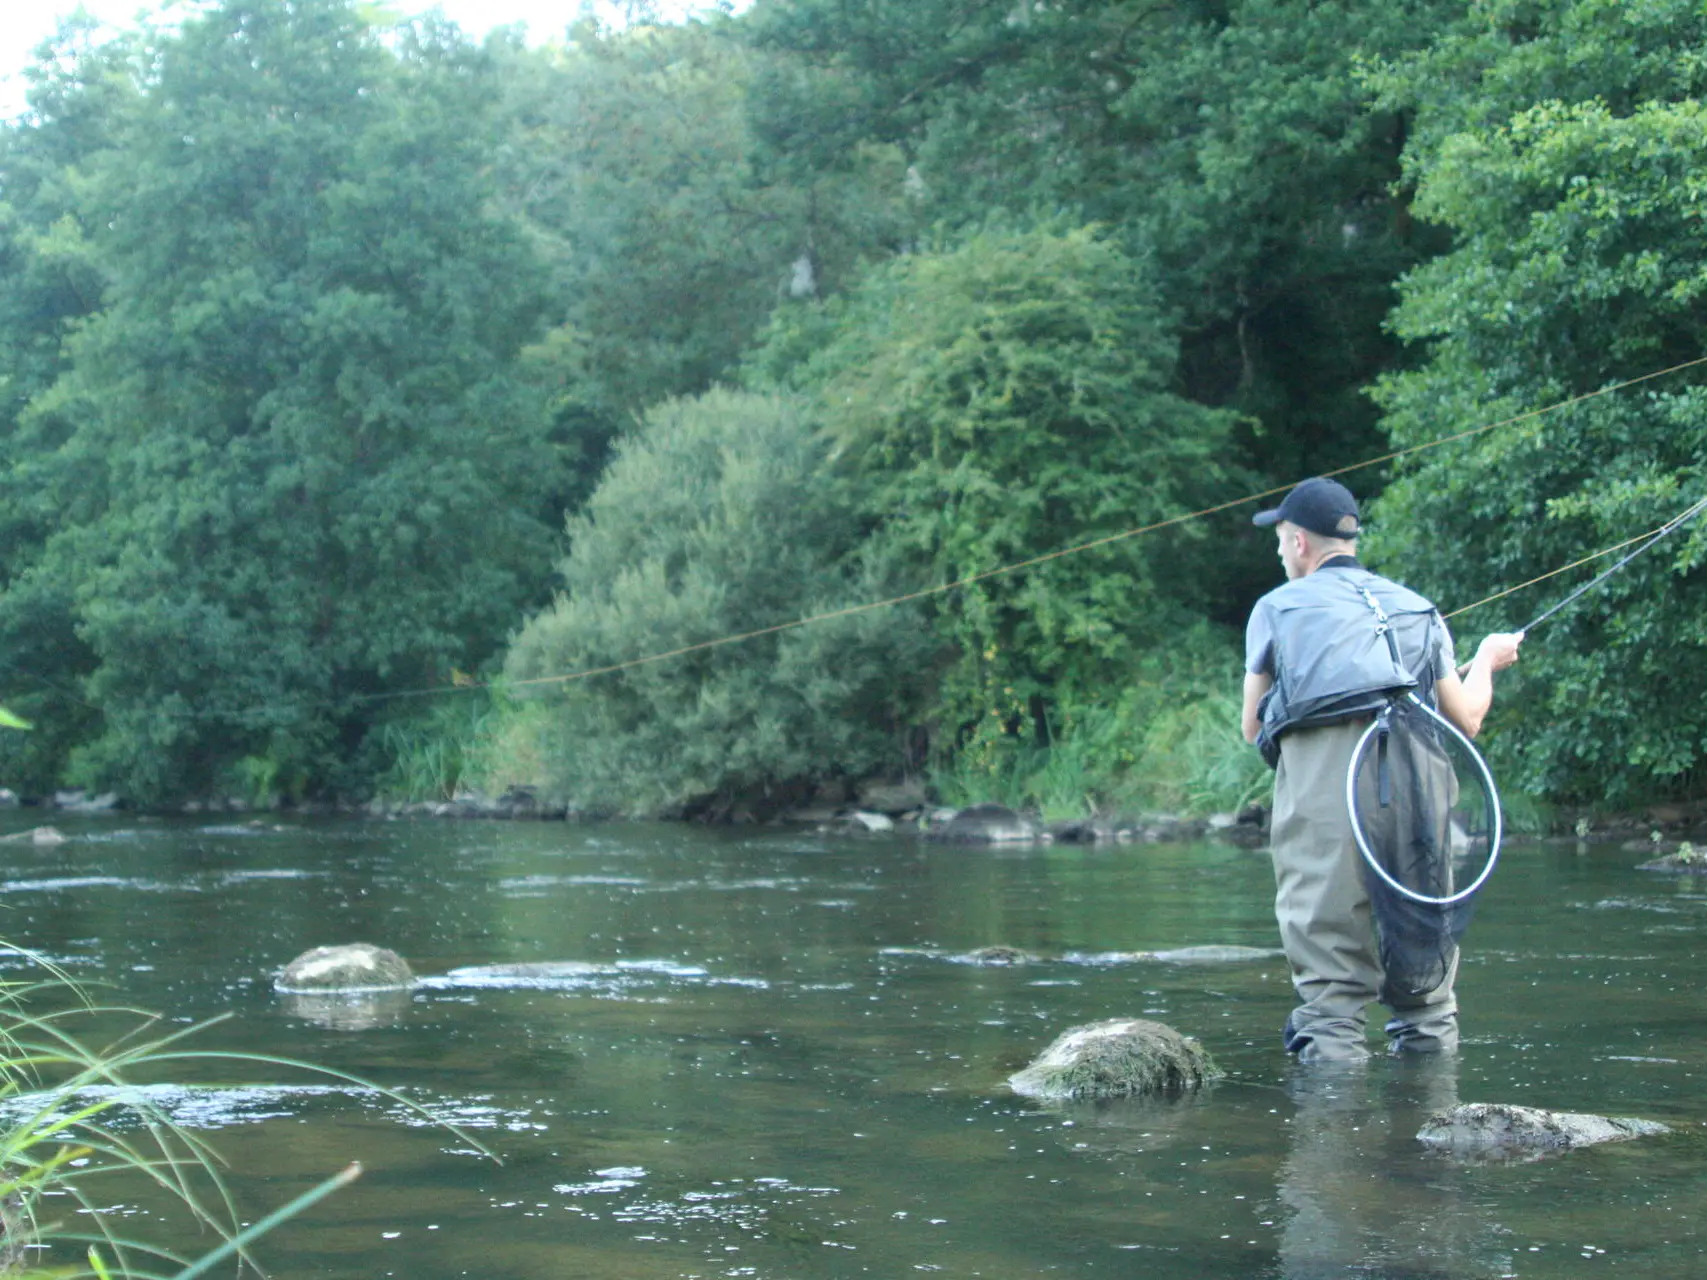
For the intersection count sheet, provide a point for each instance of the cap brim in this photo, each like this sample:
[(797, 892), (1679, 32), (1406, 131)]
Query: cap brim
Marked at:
[(1263, 519)]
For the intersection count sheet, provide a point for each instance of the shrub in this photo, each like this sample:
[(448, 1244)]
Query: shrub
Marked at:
[(714, 520), (1169, 740)]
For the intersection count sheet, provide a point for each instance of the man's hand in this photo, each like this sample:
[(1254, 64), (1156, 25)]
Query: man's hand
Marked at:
[(1499, 650), (1496, 652), (1465, 701)]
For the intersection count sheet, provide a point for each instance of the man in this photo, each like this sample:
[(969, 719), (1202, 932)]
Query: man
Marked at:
[(1322, 652)]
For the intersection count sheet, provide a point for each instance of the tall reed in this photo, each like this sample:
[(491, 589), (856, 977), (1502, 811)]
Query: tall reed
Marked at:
[(76, 1130)]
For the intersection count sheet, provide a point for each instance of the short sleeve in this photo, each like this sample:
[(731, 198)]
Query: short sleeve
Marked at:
[(1445, 657), (1259, 640)]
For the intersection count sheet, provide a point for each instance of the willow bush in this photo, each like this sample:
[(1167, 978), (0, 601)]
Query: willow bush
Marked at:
[(1002, 397), (715, 519)]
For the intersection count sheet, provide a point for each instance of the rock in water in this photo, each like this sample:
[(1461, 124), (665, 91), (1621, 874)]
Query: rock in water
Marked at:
[(533, 971), (1495, 1127), (987, 824), (359, 966), (1119, 1058), (1685, 860)]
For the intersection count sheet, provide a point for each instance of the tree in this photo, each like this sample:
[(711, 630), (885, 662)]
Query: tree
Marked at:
[(81, 91), (713, 520), (1561, 146), (631, 161), (1010, 397), (294, 460), (1232, 144)]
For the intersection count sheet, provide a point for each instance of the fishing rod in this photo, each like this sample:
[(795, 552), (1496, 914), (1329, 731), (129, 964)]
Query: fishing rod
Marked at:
[(1665, 530), (1385, 755)]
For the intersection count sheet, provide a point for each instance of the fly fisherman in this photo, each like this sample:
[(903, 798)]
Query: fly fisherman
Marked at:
[(1320, 655)]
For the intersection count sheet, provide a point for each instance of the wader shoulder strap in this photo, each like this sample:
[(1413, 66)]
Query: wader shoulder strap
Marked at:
[(1383, 628)]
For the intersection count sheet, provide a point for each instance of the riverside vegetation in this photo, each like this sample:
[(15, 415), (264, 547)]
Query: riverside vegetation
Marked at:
[(79, 1126), (357, 379)]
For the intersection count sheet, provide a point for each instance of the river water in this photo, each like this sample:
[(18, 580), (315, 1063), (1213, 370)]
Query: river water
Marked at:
[(782, 1065)]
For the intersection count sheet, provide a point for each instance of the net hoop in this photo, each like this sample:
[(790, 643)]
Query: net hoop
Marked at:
[(1492, 793)]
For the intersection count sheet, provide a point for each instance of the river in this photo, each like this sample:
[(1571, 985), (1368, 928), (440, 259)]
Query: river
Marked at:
[(785, 1067)]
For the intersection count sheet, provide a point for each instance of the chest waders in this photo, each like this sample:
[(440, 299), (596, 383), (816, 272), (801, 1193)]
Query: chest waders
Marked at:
[(1351, 646)]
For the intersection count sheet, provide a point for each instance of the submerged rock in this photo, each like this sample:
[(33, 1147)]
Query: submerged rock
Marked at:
[(1495, 1128), (36, 835), (532, 971), (987, 824), (999, 955), (1180, 955), (359, 966), (1119, 1058)]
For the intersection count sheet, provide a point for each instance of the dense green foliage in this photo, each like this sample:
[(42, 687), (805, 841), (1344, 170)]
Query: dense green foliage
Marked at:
[(1011, 397), (711, 522), (314, 332), (1563, 148), (292, 460)]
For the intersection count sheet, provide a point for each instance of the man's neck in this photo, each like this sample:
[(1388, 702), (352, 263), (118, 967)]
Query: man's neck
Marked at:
[(1336, 560)]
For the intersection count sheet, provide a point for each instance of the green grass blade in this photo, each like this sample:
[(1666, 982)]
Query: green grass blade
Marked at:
[(306, 1200)]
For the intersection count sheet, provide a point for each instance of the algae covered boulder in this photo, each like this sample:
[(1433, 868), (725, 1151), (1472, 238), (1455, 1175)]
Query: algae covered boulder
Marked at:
[(357, 966), (1498, 1128), (1119, 1058)]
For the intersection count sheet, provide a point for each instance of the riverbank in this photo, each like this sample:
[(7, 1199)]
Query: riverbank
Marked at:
[(881, 808)]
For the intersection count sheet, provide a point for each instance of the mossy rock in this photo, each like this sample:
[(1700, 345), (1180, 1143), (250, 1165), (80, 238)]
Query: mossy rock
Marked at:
[(358, 966), (1119, 1058), (1496, 1127)]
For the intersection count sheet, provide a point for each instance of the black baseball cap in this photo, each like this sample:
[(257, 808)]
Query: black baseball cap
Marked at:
[(1320, 505)]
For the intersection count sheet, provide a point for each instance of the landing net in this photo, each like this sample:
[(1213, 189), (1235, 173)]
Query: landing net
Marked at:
[(1426, 818)]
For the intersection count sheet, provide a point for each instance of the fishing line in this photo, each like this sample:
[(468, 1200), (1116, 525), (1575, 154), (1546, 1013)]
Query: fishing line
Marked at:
[(1665, 530), (985, 575), (591, 672)]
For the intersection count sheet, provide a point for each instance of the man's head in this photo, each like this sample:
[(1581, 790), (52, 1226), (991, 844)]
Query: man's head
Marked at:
[(1316, 520)]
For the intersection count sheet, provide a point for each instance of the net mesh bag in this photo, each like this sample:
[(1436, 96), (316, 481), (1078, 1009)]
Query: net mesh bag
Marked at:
[(1426, 819)]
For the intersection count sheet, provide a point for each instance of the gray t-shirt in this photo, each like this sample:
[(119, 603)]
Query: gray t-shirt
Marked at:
[(1259, 642)]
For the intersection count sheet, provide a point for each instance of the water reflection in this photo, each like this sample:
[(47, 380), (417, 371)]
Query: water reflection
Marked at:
[(348, 1010), (1359, 1194)]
